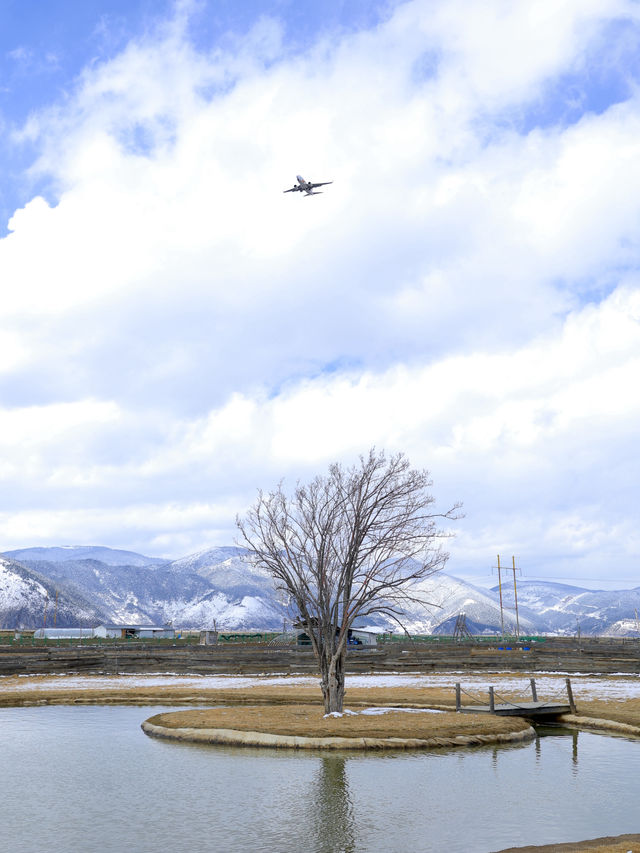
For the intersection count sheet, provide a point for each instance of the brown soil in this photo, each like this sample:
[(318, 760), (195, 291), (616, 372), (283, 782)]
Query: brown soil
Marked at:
[(611, 844), (306, 721)]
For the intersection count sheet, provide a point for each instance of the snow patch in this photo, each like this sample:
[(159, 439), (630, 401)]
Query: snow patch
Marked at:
[(549, 685), (375, 711), (340, 714)]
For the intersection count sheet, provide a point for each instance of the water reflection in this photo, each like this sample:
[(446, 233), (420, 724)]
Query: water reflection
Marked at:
[(331, 807), (494, 759), (556, 731), (66, 767)]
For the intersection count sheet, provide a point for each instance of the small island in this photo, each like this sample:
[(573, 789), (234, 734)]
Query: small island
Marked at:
[(303, 727)]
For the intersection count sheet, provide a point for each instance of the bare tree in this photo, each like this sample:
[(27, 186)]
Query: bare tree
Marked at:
[(348, 545)]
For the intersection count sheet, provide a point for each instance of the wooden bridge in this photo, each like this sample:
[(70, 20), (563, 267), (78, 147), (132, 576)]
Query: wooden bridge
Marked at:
[(533, 709)]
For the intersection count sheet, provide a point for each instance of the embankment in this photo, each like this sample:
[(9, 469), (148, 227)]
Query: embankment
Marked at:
[(596, 655)]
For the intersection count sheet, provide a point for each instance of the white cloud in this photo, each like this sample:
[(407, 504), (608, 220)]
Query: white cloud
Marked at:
[(164, 528), (500, 51), (178, 331), (513, 433)]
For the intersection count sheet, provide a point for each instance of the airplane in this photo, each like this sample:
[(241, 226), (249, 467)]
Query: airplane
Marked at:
[(306, 187)]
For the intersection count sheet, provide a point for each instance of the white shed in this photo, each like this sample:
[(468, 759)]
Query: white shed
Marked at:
[(360, 637), (356, 638), (63, 633), (128, 632)]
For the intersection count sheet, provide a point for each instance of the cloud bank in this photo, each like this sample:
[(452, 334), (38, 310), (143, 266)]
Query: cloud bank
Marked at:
[(177, 332)]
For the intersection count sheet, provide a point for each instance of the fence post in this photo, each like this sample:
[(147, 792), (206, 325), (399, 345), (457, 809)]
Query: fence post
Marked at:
[(492, 704), (572, 704), (533, 690), (458, 702)]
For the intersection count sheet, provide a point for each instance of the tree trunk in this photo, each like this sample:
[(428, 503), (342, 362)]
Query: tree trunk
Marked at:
[(332, 671)]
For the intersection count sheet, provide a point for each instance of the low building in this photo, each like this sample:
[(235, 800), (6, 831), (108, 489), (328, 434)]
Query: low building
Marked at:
[(8, 634), (63, 633), (360, 637), (356, 638), (208, 638), (137, 632)]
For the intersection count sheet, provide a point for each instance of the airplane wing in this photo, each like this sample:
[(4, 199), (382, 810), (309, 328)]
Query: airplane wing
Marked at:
[(306, 186)]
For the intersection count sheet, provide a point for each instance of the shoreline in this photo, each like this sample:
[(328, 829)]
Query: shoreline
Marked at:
[(236, 737), (30, 691), (297, 726), (604, 844)]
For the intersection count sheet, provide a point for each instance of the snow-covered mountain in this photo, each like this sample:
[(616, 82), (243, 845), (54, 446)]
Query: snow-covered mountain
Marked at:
[(443, 598), (220, 586), (564, 609), (226, 569), (214, 587), (29, 599), (128, 594), (241, 595), (65, 553)]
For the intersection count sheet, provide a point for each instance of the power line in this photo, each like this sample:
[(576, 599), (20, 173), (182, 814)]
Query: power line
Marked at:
[(572, 578)]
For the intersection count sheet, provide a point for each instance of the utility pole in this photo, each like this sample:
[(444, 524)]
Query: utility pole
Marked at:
[(515, 595), (500, 591)]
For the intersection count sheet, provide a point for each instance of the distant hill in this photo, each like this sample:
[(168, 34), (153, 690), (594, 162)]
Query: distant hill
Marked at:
[(64, 553), (564, 609), (211, 587), (220, 586), (28, 598), (449, 596)]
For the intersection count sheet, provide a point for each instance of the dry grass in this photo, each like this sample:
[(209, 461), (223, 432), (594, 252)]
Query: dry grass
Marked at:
[(235, 696), (307, 721), (619, 710), (618, 844)]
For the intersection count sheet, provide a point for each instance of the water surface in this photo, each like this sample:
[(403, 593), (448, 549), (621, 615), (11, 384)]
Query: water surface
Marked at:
[(88, 779)]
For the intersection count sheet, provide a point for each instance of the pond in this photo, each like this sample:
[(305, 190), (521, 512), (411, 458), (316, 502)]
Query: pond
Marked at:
[(88, 779)]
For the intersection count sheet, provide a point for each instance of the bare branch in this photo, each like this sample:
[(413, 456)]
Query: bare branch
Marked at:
[(351, 544)]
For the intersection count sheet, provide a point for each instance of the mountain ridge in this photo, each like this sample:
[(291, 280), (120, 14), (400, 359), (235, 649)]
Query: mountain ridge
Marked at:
[(221, 587)]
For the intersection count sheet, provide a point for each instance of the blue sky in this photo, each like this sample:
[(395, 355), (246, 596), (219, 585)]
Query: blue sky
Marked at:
[(176, 332), (45, 45)]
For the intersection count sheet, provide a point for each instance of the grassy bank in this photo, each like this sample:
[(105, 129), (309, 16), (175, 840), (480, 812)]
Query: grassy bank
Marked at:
[(308, 721)]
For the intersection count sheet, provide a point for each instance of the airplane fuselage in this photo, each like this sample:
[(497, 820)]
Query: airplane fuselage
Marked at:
[(306, 187)]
